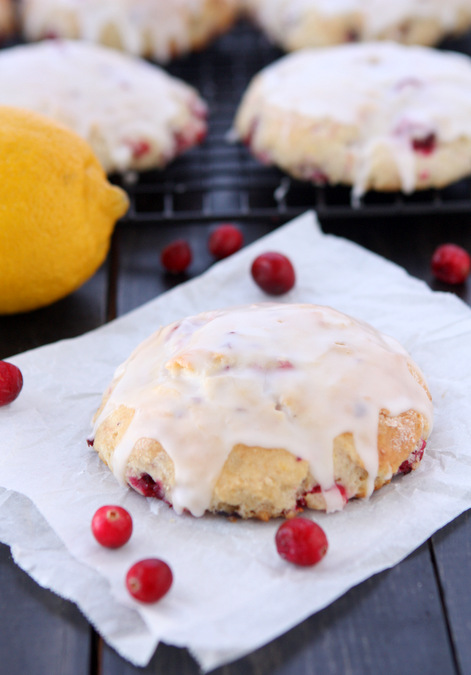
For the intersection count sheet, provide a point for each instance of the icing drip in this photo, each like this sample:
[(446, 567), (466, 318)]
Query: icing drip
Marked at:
[(269, 375), (391, 96)]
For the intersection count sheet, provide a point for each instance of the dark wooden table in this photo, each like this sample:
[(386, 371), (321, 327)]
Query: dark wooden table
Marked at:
[(413, 619)]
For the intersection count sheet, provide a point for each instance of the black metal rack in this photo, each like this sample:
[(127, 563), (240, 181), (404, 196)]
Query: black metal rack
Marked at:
[(221, 181)]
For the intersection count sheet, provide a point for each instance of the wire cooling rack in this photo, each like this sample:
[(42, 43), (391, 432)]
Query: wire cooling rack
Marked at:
[(221, 181)]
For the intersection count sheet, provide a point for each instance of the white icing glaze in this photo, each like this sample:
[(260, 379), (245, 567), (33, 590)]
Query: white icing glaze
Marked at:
[(160, 25), (269, 375), (389, 92), (278, 16), (113, 100)]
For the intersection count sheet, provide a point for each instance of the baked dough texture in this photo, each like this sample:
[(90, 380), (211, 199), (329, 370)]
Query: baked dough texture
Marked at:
[(157, 29), (7, 19), (296, 24), (262, 411), (376, 116), (133, 114)]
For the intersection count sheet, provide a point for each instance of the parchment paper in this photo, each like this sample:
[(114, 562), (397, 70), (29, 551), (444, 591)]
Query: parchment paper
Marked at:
[(232, 593)]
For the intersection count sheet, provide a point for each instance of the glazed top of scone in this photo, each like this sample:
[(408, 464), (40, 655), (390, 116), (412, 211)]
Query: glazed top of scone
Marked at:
[(378, 14), (108, 97), (407, 99), (268, 375)]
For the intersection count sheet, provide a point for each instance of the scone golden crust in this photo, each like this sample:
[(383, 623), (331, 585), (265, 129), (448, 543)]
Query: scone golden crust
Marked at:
[(377, 116), (156, 29), (296, 24), (7, 19), (262, 411)]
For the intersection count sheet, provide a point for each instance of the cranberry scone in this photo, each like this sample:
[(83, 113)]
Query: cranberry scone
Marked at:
[(377, 116), (261, 411), (157, 29), (133, 114), (296, 24)]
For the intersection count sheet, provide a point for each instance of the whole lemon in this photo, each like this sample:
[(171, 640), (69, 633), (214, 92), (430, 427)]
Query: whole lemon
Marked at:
[(57, 211)]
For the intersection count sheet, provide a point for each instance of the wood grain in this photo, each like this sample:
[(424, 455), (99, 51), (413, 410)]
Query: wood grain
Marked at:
[(40, 633)]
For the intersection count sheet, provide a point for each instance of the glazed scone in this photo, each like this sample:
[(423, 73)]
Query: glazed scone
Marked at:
[(377, 116), (132, 113), (262, 411), (296, 24), (157, 29)]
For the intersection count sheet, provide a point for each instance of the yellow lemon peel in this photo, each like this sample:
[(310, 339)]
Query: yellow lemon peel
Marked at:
[(57, 211)]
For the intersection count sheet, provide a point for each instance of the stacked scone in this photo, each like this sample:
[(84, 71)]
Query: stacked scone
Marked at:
[(264, 410)]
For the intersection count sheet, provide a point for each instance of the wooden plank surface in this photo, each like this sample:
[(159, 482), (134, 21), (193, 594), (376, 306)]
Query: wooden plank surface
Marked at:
[(452, 550), (40, 633), (78, 313)]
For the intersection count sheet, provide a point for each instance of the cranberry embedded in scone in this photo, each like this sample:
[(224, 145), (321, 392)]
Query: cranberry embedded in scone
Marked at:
[(425, 145), (263, 410), (147, 486)]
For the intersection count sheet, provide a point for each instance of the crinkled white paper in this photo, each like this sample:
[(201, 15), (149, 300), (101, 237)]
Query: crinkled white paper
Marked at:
[(232, 593)]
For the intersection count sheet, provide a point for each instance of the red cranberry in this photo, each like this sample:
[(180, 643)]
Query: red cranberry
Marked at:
[(186, 139), (147, 486), (11, 382), (413, 460), (317, 177), (352, 35), (426, 145), (112, 526), (274, 273), (451, 264), (301, 501), (176, 257), (225, 240), (201, 135), (343, 492), (285, 365), (149, 580), (301, 541), (139, 148)]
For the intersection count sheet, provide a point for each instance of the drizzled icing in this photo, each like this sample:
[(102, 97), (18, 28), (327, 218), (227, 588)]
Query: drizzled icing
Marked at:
[(269, 375), (278, 16), (391, 94), (111, 99), (159, 25)]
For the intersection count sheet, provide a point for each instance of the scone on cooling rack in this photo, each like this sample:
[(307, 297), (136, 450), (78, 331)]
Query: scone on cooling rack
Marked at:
[(376, 116), (262, 411), (296, 24), (158, 29), (133, 114)]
